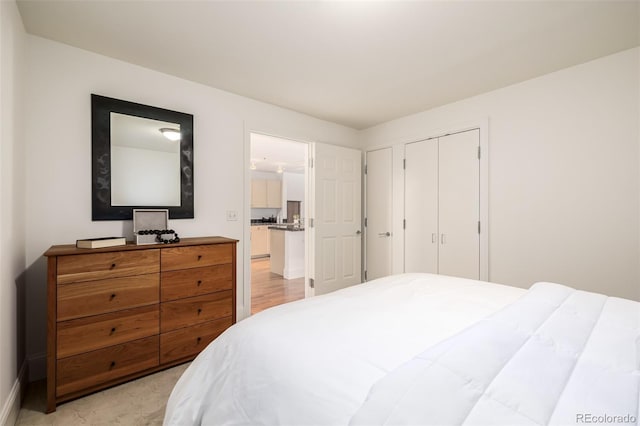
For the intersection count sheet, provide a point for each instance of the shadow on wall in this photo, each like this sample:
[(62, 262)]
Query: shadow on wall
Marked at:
[(35, 319), (21, 317)]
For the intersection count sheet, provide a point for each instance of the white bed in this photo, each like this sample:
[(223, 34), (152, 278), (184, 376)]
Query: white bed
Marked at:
[(420, 349)]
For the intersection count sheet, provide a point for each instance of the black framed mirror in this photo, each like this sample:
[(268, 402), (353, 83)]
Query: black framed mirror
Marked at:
[(142, 158)]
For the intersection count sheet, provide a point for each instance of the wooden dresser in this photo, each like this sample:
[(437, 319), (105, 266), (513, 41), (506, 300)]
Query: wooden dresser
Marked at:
[(118, 313)]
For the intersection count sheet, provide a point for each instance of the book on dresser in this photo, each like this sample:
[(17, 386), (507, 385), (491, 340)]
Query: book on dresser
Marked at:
[(101, 242), (122, 312)]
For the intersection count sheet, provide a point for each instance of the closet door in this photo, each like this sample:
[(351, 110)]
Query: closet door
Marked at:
[(459, 205), (421, 207)]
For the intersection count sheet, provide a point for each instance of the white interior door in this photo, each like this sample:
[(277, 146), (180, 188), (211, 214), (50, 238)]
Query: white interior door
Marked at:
[(337, 236), (459, 204), (379, 204), (421, 207)]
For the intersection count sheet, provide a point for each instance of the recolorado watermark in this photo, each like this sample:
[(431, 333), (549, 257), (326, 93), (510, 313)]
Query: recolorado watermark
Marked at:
[(589, 418)]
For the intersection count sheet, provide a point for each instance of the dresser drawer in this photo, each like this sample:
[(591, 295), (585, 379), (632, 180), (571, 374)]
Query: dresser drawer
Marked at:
[(95, 266), (194, 310), (196, 281), (99, 297), (93, 368), (99, 331), (196, 256), (190, 341)]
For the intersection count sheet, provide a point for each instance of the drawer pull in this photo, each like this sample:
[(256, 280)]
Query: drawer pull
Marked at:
[(199, 256), (113, 296), (113, 364), (113, 330), (199, 283), (199, 311), (113, 265), (198, 340)]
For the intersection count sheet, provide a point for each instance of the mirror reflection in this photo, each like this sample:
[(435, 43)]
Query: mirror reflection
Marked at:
[(145, 161), (141, 157)]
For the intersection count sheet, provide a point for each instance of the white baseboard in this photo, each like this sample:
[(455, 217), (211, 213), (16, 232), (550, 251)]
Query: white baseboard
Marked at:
[(290, 274), (37, 367), (11, 407)]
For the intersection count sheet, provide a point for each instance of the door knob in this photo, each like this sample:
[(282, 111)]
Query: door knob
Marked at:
[(358, 232), (384, 234)]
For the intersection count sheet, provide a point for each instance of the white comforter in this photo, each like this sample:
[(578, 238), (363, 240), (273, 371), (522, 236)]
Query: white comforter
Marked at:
[(556, 356), (313, 362)]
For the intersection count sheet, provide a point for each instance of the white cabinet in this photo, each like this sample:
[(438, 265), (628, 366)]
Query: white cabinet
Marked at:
[(442, 205), (259, 241), (274, 194), (266, 193), (258, 193)]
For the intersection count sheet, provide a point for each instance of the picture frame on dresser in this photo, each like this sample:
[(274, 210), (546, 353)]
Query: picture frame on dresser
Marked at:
[(122, 312), (149, 219)]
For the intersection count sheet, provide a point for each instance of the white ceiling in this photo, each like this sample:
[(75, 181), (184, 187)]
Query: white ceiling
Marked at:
[(268, 153), (358, 63)]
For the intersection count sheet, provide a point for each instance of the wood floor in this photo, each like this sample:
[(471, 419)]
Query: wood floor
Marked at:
[(269, 289)]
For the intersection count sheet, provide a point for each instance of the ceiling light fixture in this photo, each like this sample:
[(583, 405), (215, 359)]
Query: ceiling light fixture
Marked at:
[(253, 165), (171, 134), (280, 169)]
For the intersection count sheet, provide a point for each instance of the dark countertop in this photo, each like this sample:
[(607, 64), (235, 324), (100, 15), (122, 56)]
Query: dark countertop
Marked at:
[(286, 227)]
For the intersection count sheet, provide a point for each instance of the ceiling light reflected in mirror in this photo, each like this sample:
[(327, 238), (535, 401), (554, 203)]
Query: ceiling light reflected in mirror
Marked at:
[(170, 133)]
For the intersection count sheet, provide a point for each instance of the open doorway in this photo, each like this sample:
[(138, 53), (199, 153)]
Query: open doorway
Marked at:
[(278, 205)]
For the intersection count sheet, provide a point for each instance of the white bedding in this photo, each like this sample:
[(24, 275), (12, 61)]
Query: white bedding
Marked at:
[(313, 362), (556, 356)]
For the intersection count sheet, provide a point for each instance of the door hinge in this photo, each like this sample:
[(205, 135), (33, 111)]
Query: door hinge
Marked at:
[(365, 275), (365, 169), (310, 222), (404, 164), (312, 283), (365, 222), (478, 227), (404, 223), (478, 152), (311, 163)]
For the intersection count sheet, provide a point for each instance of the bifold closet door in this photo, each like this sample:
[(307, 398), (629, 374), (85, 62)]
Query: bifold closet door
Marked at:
[(421, 207), (442, 205), (459, 204)]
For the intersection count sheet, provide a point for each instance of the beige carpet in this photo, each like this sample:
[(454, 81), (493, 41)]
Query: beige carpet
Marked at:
[(140, 402)]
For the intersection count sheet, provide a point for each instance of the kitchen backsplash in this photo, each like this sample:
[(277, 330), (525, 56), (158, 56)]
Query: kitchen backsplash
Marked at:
[(260, 213)]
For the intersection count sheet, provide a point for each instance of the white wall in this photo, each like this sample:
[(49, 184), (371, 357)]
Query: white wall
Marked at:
[(60, 80), (12, 206), (144, 177), (563, 173), (292, 190), (294, 183)]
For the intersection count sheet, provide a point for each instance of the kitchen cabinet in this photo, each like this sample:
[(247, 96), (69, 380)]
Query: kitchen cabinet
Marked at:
[(288, 248), (258, 193), (274, 194), (266, 193), (259, 241)]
